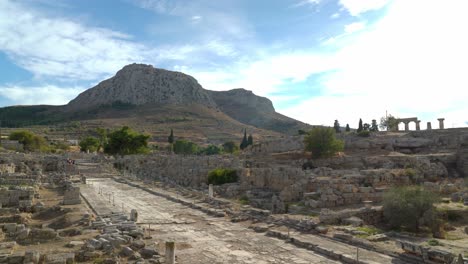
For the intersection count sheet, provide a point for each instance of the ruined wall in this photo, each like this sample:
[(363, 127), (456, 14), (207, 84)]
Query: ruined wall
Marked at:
[(183, 170)]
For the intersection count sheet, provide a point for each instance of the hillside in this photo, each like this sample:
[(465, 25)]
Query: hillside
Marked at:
[(155, 100)]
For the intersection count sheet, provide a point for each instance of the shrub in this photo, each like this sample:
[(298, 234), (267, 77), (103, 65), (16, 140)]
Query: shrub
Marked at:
[(211, 150), (30, 141), (407, 206), (90, 144), (222, 176), (230, 147), (364, 133), (322, 143), (185, 147), (244, 200)]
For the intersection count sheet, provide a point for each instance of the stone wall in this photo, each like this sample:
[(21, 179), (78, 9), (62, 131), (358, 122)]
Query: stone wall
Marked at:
[(277, 146), (183, 170), (17, 196)]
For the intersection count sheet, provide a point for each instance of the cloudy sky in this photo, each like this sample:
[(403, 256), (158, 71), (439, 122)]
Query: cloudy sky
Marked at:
[(317, 60)]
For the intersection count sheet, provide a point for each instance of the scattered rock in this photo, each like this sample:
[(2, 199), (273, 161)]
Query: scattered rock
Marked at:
[(354, 221), (322, 229), (377, 238), (126, 252), (138, 244), (148, 253)]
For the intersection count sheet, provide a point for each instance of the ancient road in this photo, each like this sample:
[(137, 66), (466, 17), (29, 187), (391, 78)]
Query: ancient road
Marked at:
[(202, 238)]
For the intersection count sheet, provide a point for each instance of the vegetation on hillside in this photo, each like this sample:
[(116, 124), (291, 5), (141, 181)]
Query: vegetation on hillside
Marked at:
[(125, 141), (222, 176), (90, 144), (321, 141), (411, 207), (230, 147), (30, 141), (246, 141)]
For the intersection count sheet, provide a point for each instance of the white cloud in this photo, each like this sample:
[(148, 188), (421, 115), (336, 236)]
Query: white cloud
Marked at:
[(48, 94), (410, 67), (307, 2), (61, 47), (354, 27), (266, 74), (335, 15), (196, 19), (357, 7)]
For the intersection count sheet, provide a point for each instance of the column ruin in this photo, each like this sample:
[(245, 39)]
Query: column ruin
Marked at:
[(441, 123), (170, 252)]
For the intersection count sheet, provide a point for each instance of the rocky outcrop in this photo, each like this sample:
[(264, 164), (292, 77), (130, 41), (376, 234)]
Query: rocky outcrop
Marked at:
[(139, 84), (246, 107)]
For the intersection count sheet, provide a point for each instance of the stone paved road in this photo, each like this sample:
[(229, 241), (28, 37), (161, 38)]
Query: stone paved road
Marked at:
[(201, 238)]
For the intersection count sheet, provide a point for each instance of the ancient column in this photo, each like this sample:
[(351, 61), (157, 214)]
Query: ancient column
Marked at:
[(429, 126), (134, 215), (210, 191), (441, 123), (170, 252), (418, 127), (406, 126)]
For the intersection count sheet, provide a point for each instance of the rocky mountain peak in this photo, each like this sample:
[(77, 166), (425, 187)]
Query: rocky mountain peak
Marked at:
[(140, 84)]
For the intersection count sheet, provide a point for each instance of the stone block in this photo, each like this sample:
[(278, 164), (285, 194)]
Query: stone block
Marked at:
[(354, 221)]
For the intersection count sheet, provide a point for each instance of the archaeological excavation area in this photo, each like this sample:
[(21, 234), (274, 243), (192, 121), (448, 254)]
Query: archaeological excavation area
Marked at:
[(284, 207)]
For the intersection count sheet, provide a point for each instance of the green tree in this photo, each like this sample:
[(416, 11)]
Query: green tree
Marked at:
[(185, 147), (337, 127), (360, 125), (301, 132), (374, 127), (125, 141), (244, 142), (30, 141), (90, 144), (408, 206), (347, 128), (388, 123), (170, 139), (211, 150), (250, 140), (102, 137), (230, 147), (321, 141)]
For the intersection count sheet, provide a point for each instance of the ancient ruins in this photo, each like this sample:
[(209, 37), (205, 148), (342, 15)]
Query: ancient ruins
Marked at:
[(284, 208)]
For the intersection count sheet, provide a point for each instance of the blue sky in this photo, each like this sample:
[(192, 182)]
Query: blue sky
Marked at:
[(317, 60)]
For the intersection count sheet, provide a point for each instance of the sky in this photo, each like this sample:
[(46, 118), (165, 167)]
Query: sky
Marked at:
[(317, 60)]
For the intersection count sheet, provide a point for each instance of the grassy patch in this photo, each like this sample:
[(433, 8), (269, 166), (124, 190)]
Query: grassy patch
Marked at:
[(244, 200), (370, 230), (434, 242)]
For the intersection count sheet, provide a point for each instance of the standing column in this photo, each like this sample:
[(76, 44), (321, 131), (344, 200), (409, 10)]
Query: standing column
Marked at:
[(429, 126), (406, 126), (418, 127), (441, 123), (170, 252), (210, 191)]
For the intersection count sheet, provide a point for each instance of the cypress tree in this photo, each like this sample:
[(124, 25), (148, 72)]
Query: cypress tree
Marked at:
[(250, 140), (244, 142), (170, 139), (360, 125), (347, 128)]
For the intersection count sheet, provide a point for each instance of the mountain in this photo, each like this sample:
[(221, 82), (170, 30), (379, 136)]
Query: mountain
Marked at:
[(155, 100)]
